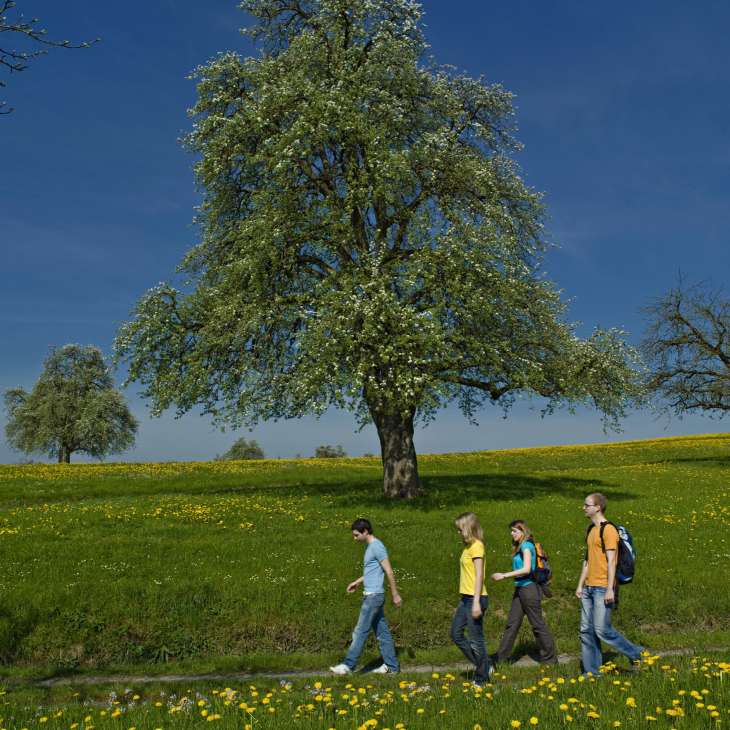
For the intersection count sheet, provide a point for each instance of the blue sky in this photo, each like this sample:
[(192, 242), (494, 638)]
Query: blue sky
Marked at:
[(625, 117)]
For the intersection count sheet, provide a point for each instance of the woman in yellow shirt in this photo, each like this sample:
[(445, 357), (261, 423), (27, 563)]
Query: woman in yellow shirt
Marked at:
[(467, 631)]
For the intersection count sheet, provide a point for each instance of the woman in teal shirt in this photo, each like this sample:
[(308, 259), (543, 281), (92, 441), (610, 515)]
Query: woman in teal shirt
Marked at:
[(527, 598)]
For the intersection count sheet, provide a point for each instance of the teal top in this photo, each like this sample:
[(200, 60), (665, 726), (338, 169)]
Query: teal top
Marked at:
[(518, 562)]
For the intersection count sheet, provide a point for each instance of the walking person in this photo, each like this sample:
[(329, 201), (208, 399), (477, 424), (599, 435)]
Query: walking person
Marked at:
[(467, 630), (376, 566), (597, 589), (527, 598)]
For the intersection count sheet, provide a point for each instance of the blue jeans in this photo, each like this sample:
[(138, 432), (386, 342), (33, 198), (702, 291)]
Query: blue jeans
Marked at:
[(372, 618), (472, 647), (595, 627)]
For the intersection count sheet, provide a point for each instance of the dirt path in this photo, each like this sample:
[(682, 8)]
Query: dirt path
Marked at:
[(406, 669)]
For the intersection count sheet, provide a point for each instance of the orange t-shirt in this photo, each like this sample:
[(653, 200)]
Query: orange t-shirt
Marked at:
[(597, 562)]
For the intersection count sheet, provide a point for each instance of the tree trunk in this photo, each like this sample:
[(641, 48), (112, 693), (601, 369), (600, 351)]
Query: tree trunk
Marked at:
[(64, 455), (400, 468)]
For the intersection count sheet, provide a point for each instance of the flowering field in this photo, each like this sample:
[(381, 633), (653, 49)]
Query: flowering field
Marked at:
[(691, 693), (242, 565)]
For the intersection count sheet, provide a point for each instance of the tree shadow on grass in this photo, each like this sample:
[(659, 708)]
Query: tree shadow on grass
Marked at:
[(441, 492), (366, 490), (716, 461)]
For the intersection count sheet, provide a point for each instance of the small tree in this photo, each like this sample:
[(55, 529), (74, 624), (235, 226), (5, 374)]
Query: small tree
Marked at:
[(329, 452), (73, 407), (15, 59), (687, 348), (243, 449)]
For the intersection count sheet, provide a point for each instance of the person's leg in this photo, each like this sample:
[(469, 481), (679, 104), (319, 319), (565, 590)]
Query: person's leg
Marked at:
[(385, 639), (531, 600), (514, 621), (362, 629), (606, 632), (475, 630), (589, 642), (458, 626)]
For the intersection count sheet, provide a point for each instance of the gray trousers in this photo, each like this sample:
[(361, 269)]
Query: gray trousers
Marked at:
[(526, 601)]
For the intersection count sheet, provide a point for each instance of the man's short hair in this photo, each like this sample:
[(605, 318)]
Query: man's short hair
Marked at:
[(599, 499), (362, 525)]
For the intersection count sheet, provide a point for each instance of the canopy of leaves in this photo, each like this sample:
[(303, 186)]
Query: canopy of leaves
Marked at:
[(243, 449), (367, 240), (329, 452), (687, 347), (73, 407)]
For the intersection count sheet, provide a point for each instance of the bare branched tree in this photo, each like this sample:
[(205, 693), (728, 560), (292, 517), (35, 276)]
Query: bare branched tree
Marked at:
[(687, 348), (32, 39)]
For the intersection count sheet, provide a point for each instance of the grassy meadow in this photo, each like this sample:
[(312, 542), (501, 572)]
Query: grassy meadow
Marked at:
[(234, 566), (691, 693)]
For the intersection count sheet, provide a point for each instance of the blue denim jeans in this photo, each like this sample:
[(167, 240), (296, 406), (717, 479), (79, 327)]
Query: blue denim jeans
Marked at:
[(595, 627), (468, 634), (372, 618)]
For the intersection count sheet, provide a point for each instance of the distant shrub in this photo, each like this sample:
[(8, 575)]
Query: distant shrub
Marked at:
[(329, 452), (243, 449)]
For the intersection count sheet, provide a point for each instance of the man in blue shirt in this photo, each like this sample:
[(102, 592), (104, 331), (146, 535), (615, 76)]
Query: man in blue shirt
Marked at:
[(372, 618)]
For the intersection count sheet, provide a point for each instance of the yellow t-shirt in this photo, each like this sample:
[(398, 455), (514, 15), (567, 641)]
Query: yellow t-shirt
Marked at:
[(597, 562), (467, 573)]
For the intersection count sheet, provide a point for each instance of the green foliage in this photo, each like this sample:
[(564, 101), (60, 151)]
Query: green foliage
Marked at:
[(243, 449), (367, 241), (329, 452), (241, 564), (73, 407)]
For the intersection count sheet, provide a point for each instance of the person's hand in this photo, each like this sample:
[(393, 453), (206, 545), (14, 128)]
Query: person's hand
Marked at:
[(610, 597), (579, 592), (397, 600), (497, 576), (352, 587), (476, 611)]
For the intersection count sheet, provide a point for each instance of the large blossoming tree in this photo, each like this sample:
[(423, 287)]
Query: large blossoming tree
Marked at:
[(367, 242)]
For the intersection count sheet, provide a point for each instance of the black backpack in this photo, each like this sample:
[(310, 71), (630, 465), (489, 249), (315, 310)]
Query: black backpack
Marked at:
[(626, 558)]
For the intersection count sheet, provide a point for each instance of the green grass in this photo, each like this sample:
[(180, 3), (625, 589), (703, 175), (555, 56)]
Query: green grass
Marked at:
[(689, 693), (235, 566)]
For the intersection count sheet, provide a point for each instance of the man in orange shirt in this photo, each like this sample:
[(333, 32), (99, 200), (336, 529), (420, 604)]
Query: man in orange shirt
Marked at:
[(596, 590)]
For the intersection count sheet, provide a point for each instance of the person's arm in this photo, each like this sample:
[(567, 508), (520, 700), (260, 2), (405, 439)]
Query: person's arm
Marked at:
[(582, 580), (526, 568), (388, 568), (476, 604), (611, 560), (352, 587)]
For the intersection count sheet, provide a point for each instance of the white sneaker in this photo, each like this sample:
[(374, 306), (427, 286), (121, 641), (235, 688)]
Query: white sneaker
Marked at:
[(340, 669), (382, 669)]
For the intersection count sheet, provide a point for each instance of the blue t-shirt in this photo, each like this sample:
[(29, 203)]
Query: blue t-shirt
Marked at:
[(373, 572), (518, 562)]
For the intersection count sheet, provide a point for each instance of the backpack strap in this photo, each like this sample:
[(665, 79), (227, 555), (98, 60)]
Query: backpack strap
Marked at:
[(588, 532), (600, 535), (603, 527)]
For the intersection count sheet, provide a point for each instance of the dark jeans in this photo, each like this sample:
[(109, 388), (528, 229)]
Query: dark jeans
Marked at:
[(526, 601), (468, 634)]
